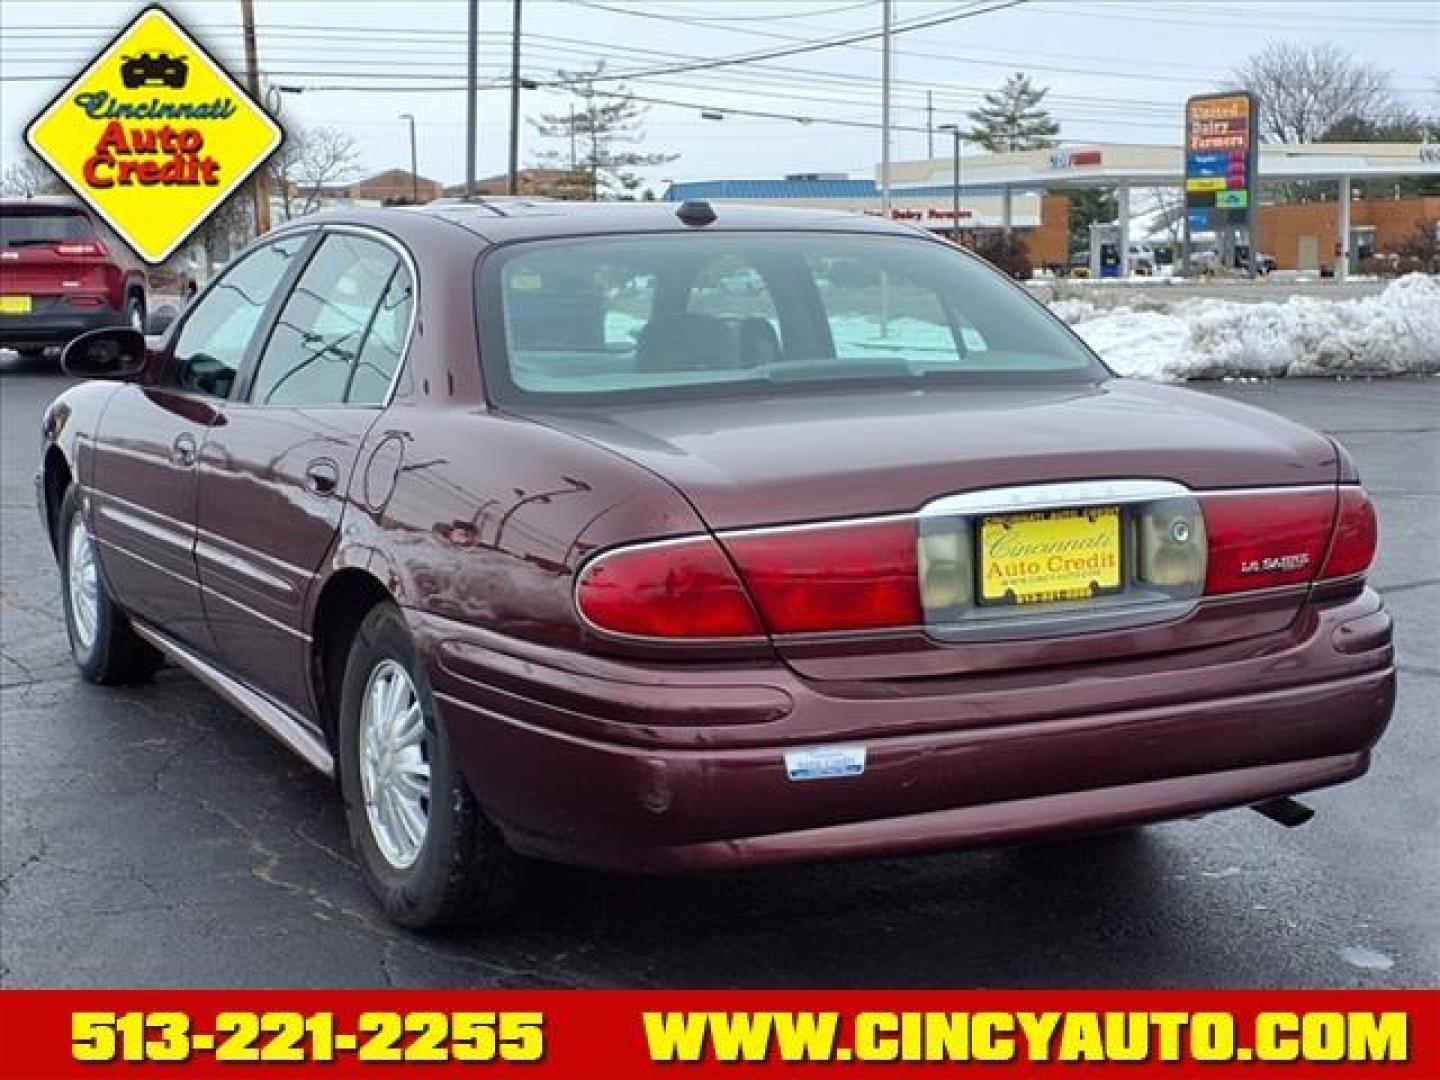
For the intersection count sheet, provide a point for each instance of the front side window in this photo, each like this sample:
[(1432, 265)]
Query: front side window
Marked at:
[(217, 330), (687, 315), (341, 319)]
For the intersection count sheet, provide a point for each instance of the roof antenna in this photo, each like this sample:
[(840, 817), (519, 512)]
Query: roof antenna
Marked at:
[(696, 213)]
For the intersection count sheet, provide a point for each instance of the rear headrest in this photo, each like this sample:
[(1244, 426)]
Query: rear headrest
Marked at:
[(684, 341)]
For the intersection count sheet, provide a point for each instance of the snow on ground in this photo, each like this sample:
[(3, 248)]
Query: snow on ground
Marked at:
[(1396, 332)]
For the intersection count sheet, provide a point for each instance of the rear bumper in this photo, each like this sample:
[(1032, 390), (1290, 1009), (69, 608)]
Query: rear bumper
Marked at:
[(664, 771), (55, 323)]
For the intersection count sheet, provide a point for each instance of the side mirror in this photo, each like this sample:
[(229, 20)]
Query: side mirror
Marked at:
[(113, 352)]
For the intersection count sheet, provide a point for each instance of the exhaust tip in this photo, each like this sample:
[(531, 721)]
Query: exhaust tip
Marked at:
[(1285, 811)]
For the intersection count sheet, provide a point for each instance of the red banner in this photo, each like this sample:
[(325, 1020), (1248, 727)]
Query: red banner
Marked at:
[(1009, 1035)]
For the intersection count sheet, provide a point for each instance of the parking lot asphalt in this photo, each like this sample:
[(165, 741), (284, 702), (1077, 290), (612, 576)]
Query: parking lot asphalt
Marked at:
[(154, 837)]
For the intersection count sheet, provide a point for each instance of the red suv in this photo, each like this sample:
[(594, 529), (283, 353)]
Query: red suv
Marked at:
[(62, 273)]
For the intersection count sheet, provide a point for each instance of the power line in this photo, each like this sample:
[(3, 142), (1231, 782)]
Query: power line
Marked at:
[(725, 19), (971, 12)]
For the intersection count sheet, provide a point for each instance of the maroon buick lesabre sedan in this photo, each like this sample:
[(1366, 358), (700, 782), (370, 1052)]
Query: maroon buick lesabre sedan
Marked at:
[(682, 539)]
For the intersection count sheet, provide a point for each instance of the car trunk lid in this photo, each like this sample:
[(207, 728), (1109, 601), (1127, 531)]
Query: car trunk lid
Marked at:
[(746, 463)]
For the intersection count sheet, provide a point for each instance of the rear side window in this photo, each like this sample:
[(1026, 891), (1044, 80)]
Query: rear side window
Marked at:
[(689, 316), (384, 348), (24, 227), (340, 333)]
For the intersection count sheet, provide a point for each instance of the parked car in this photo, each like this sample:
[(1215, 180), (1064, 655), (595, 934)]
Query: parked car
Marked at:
[(1207, 260), (62, 273), (545, 546), (1142, 259)]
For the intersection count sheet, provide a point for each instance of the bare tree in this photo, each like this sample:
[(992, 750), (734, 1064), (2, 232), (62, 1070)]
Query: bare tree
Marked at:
[(311, 160), (30, 176), (228, 229), (1167, 204), (1305, 89)]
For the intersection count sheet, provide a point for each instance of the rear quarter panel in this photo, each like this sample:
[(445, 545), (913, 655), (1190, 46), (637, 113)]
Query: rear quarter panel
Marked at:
[(483, 518)]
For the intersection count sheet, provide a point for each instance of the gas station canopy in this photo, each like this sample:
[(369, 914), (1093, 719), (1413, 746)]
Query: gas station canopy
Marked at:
[(1136, 165)]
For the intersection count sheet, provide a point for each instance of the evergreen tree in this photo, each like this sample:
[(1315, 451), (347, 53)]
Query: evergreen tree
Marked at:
[(595, 133), (1013, 118), (1088, 206)]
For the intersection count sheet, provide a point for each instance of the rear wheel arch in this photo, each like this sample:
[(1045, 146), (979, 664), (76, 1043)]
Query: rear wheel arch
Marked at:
[(345, 599)]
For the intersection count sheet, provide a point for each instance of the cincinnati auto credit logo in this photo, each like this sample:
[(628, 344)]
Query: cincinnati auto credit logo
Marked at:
[(154, 135)]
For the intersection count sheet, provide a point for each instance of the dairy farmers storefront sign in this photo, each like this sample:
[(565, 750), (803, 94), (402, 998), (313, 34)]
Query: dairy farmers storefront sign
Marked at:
[(154, 135)]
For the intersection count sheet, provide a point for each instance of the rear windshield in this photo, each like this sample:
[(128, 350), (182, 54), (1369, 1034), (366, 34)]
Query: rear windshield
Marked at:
[(687, 315), (22, 227)]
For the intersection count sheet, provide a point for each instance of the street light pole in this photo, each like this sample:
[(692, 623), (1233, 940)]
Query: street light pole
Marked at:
[(512, 179), (954, 130), (414, 161)]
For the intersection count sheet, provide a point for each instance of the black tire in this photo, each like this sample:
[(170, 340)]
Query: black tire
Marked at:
[(113, 655), (464, 872)]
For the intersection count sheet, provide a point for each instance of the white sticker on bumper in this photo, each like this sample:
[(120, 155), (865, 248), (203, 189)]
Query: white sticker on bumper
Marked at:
[(825, 762)]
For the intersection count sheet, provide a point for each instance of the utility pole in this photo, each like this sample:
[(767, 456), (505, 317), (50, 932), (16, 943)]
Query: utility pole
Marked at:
[(472, 79), (574, 160), (414, 161), (885, 35), (260, 186), (929, 125), (512, 178)]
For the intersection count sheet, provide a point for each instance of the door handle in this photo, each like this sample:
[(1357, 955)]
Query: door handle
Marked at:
[(183, 450), (322, 476)]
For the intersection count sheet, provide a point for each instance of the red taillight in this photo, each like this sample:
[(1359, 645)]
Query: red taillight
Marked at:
[(821, 579), (92, 249), (1357, 534), (1262, 540), (832, 578), (681, 589)]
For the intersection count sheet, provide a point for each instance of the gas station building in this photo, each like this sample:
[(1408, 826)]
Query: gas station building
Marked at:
[(1025, 191)]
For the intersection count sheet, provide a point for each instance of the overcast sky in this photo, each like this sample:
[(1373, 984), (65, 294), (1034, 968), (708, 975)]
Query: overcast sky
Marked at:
[(1119, 70)]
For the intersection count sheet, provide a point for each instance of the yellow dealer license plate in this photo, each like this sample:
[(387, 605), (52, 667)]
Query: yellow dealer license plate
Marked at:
[(14, 305), (1050, 556)]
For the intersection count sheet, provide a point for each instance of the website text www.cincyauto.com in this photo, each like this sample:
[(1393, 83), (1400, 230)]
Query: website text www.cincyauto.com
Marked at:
[(1062, 1037)]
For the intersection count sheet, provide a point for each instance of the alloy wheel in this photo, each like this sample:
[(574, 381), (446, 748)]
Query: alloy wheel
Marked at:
[(395, 764), (83, 582)]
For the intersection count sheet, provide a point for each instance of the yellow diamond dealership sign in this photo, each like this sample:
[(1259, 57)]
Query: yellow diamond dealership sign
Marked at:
[(154, 135)]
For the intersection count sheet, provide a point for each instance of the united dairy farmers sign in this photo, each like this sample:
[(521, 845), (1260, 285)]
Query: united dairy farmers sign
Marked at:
[(154, 135)]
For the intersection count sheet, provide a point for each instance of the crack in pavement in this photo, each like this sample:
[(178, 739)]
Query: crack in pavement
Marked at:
[(265, 868), (1407, 586), (33, 859)]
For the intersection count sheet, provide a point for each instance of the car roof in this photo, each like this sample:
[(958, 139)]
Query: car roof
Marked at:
[(499, 220), (66, 202)]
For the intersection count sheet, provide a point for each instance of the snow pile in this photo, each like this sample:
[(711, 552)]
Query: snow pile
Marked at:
[(1396, 332)]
